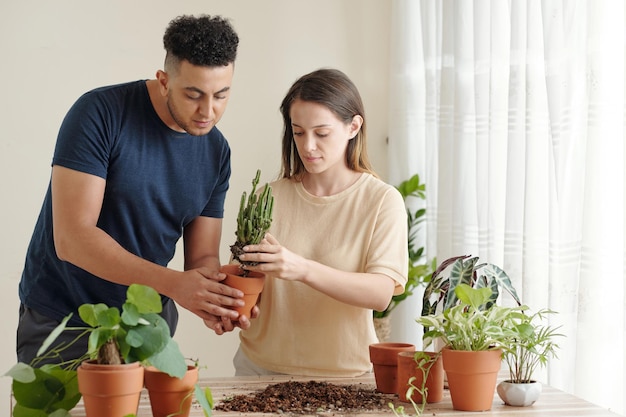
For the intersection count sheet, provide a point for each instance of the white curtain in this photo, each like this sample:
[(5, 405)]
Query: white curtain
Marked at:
[(513, 114)]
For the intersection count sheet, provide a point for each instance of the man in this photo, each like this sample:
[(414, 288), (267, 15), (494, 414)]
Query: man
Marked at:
[(136, 166)]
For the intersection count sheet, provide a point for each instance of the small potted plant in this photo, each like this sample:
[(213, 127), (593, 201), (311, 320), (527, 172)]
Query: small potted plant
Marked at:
[(253, 221), (119, 343), (474, 338), (532, 344), (419, 268)]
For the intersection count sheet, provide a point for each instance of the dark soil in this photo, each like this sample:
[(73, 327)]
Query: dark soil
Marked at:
[(309, 397)]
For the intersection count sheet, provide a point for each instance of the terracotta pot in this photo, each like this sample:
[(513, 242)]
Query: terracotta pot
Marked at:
[(170, 395), (110, 390), (408, 368), (251, 286), (472, 377), (384, 357), (519, 394)]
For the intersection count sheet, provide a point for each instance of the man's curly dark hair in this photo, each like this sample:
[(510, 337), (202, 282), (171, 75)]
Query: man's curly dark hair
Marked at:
[(202, 40)]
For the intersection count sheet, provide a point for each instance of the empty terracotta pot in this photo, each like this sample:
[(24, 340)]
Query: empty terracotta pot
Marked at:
[(384, 357)]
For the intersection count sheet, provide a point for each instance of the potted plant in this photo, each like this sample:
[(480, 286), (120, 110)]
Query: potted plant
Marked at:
[(474, 337), (419, 269), (253, 221), (118, 342), (420, 378), (531, 346)]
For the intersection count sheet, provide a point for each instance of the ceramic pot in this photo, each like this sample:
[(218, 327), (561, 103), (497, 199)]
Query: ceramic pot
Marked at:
[(110, 390), (408, 368), (472, 377), (251, 286), (519, 394), (384, 357), (170, 395)]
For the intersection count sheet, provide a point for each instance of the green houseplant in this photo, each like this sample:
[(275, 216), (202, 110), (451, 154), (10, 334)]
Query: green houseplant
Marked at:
[(531, 345), (253, 221), (440, 292), (136, 335), (475, 332), (420, 269)]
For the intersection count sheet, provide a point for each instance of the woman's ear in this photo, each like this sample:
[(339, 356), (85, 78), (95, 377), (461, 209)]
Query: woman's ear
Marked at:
[(355, 125)]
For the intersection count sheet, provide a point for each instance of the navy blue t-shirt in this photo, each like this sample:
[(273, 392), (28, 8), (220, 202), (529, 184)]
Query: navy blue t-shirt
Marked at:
[(157, 181)]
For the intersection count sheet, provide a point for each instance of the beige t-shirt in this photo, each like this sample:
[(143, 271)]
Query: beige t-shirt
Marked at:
[(300, 330)]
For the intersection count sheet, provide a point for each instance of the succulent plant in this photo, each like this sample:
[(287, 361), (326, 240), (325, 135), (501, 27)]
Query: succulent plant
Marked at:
[(254, 218)]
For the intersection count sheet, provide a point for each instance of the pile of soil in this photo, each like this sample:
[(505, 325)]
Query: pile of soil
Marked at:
[(308, 397)]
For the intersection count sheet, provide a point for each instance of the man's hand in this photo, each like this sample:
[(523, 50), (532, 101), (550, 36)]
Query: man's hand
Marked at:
[(221, 325)]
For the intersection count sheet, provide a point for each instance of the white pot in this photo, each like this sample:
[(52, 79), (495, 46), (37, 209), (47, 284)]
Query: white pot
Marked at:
[(519, 394)]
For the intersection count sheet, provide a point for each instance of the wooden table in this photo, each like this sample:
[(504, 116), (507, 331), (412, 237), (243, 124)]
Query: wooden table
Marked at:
[(551, 403)]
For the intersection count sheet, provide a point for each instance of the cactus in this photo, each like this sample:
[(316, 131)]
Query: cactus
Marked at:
[(254, 218)]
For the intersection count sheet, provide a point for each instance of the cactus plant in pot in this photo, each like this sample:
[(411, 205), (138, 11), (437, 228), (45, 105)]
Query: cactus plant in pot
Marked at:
[(253, 221)]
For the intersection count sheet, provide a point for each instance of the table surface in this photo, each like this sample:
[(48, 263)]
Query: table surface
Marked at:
[(551, 403)]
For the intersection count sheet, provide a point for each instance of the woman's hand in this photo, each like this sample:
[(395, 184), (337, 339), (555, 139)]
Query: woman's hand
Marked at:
[(276, 260)]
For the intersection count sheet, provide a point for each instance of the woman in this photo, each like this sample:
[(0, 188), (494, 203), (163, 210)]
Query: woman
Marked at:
[(337, 246)]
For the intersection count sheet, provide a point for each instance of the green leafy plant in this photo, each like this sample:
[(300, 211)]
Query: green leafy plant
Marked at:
[(254, 218), (138, 333), (531, 346), (440, 293), (470, 325), (419, 268)]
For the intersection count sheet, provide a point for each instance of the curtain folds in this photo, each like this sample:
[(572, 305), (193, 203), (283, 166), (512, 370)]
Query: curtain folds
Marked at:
[(513, 113)]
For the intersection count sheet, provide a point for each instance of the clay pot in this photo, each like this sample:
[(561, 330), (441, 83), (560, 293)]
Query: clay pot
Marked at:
[(519, 394), (110, 390), (384, 357), (472, 377), (251, 286), (408, 368), (170, 395)]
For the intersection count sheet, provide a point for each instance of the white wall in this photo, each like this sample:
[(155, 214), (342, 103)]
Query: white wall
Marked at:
[(53, 51)]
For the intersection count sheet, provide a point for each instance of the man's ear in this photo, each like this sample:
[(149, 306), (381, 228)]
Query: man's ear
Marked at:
[(163, 80)]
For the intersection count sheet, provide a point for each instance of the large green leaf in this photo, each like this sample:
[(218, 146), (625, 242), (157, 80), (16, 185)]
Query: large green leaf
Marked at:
[(170, 360), (502, 280), (147, 340), (53, 388), (462, 272), (145, 298), (21, 372)]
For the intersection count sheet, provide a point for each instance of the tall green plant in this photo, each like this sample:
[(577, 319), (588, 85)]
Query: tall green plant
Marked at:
[(532, 344), (420, 269), (254, 218)]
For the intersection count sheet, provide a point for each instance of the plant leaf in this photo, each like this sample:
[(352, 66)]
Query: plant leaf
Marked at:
[(145, 298)]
